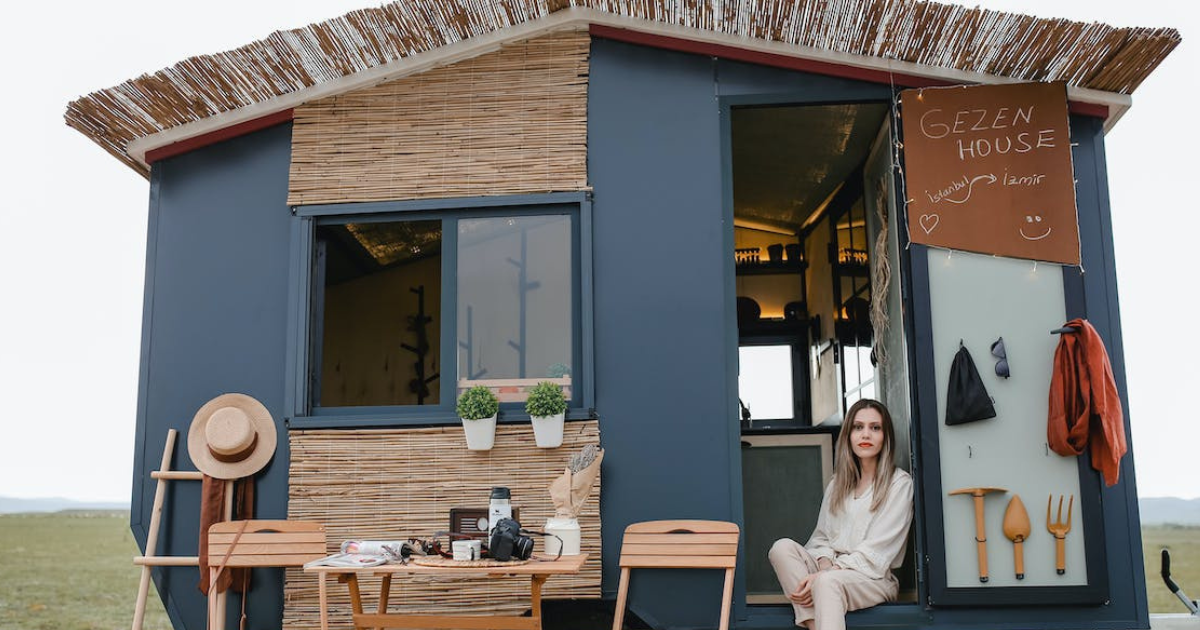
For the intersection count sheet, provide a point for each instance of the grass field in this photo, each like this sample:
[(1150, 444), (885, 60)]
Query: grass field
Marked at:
[(74, 571), (71, 571), (1184, 543)]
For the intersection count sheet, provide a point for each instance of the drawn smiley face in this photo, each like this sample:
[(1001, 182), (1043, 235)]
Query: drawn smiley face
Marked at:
[(1033, 224)]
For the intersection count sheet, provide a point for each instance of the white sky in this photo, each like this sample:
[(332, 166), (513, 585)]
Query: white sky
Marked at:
[(72, 265)]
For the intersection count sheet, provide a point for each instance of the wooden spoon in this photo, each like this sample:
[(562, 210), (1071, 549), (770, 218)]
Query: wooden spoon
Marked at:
[(1016, 528)]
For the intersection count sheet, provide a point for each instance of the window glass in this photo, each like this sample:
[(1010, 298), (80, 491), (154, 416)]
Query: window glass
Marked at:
[(378, 291), (765, 381), (860, 375), (515, 297)]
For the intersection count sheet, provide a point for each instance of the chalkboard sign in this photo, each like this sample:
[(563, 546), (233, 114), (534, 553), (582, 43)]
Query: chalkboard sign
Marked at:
[(783, 480), (988, 169)]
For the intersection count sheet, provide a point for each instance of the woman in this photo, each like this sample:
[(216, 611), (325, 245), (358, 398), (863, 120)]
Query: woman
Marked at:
[(861, 529)]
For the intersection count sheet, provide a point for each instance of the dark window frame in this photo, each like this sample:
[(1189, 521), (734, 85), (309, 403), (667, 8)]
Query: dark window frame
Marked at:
[(801, 403), (304, 321)]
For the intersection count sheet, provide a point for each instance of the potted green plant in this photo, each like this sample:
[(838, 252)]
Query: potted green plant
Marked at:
[(547, 407), (477, 407)]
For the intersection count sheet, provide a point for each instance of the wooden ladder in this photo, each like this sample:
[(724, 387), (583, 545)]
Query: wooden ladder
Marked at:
[(151, 559)]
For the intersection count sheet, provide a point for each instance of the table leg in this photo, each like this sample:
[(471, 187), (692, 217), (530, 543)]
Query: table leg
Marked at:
[(535, 600), (385, 589), (355, 597), (323, 599)]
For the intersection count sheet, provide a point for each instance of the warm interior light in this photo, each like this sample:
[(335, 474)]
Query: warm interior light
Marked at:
[(816, 214), (751, 224)]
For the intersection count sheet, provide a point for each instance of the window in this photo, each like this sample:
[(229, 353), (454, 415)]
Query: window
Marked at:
[(410, 304), (515, 295), (766, 384), (377, 337)]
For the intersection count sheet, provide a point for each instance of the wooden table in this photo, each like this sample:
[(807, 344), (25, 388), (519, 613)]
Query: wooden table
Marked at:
[(536, 571)]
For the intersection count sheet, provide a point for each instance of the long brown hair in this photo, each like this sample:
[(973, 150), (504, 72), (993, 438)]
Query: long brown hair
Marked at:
[(848, 468)]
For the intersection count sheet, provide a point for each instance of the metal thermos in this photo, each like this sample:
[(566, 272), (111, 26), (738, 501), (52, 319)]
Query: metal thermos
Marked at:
[(500, 506)]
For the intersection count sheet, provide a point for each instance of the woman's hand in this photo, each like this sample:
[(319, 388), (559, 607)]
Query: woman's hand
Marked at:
[(824, 564), (803, 593)]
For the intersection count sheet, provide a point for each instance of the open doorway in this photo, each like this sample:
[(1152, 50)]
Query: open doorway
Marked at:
[(818, 308)]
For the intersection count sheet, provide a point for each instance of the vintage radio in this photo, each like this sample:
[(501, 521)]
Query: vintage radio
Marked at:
[(473, 522)]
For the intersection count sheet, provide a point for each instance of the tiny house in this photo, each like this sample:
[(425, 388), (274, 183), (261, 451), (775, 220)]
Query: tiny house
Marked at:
[(717, 224)]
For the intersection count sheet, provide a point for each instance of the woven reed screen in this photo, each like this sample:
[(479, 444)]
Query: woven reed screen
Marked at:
[(401, 483), (509, 122)]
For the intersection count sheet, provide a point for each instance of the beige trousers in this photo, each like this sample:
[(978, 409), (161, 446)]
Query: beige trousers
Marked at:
[(835, 591)]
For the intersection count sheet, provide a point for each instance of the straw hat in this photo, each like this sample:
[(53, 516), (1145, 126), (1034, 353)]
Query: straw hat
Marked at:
[(232, 436)]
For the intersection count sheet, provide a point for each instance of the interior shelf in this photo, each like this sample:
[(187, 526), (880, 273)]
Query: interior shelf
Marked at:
[(761, 327), (770, 268), (854, 333)]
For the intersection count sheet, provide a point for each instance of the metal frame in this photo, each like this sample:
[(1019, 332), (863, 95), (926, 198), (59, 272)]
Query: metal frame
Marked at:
[(767, 616)]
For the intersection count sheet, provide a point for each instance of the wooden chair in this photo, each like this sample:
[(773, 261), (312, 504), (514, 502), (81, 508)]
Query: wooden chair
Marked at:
[(679, 545), (258, 543)]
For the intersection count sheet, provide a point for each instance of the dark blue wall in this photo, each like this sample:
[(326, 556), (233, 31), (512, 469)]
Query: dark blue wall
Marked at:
[(663, 309), (214, 322), (1123, 533)]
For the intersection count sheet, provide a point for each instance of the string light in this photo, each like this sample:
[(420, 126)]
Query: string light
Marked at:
[(897, 147)]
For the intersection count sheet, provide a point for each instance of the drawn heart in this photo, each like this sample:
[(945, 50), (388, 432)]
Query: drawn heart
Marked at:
[(929, 222)]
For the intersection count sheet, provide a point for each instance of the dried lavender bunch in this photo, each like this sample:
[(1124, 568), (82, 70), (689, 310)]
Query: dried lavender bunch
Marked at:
[(583, 458)]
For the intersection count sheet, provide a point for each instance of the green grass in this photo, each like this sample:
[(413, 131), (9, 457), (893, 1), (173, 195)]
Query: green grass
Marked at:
[(74, 571), (71, 571), (1184, 544)]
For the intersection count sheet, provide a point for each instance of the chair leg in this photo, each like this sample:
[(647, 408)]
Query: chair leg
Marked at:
[(622, 595), (727, 599), (212, 601)]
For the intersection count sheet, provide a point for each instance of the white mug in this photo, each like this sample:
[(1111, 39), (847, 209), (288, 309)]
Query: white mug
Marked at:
[(466, 549)]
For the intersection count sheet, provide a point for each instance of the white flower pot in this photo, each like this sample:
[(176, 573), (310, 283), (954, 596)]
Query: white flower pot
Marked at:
[(481, 434), (567, 529), (548, 430)]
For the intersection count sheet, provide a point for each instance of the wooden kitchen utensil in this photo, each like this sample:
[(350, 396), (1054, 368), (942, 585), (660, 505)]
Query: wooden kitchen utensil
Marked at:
[(1059, 529), (1016, 529), (980, 529)]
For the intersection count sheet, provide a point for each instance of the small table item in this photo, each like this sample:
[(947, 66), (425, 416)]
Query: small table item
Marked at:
[(537, 571)]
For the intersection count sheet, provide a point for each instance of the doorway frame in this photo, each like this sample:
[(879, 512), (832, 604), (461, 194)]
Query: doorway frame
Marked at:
[(755, 616)]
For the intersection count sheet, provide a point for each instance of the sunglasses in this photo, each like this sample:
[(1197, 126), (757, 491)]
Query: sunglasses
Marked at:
[(1001, 358)]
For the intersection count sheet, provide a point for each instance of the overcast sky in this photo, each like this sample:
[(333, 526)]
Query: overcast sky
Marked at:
[(72, 264)]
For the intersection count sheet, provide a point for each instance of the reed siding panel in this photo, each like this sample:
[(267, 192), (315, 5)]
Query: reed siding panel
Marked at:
[(393, 484), (509, 122)]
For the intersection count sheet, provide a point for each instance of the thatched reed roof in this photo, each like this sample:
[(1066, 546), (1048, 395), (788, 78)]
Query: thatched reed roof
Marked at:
[(204, 93)]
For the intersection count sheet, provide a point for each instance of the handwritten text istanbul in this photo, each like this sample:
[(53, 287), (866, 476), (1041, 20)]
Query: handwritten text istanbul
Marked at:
[(936, 124)]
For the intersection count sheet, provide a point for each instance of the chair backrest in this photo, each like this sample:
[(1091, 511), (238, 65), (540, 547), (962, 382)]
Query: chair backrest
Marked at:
[(266, 543), (680, 545)]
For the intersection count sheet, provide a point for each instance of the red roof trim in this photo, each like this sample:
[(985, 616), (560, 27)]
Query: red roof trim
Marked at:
[(213, 137), (794, 63), (763, 58), (1088, 109)]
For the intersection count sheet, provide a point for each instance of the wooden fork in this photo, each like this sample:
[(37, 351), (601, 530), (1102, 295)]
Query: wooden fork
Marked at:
[(1059, 530)]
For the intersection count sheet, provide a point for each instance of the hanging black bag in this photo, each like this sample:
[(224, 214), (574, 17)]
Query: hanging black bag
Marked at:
[(967, 399)]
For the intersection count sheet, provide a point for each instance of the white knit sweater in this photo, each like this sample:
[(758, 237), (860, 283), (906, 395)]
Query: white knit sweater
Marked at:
[(871, 543)]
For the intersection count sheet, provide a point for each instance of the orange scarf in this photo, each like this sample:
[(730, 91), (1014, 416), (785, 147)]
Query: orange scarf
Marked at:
[(1085, 408), (212, 510)]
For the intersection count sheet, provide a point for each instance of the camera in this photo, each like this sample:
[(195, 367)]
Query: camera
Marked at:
[(508, 542)]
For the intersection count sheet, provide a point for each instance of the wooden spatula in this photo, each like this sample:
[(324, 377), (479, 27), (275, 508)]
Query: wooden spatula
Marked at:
[(1016, 528)]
